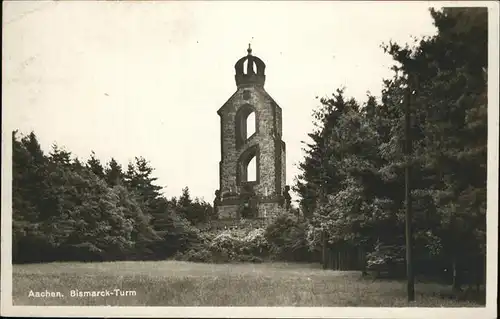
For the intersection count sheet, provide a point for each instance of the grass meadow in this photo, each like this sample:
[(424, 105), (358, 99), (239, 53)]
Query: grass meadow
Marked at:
[(174, 283)]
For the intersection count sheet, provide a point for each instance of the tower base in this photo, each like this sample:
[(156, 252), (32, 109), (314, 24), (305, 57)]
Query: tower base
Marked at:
[(267, 209)]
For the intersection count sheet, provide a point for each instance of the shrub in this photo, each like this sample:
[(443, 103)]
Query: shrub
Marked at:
[(255, 243), (250, 259), (313, 237), (231, 244), (225, 245), (286, 236), (179, 236), (387, 260)]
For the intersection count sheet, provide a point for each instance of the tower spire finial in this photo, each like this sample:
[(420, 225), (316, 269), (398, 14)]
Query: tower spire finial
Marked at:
[(249, 50)]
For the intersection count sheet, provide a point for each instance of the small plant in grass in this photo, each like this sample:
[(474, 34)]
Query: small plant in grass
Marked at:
[(196, 255)]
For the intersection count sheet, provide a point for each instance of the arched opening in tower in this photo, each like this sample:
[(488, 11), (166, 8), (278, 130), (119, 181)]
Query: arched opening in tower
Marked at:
[(252, 170), (245, 67), (245, 124), (248, 166), (250, 125)]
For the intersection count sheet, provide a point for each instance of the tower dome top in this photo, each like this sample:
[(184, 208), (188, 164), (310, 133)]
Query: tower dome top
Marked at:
[(250, 70)]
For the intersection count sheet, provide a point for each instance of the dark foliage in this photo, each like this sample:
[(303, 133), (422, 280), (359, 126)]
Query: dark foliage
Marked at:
[(352, 182), (287, 239), (66, 210)]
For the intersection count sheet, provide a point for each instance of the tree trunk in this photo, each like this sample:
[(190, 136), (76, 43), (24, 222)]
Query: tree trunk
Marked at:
[(323, 250), (362, 261), (456, 278)]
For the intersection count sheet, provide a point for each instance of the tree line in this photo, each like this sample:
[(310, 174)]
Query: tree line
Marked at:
[(66, 209), (352, 179)]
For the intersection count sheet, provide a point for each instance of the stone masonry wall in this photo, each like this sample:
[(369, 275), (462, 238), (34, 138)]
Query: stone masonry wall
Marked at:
[(266, 120), (267, 141), (267, 210), (228, 211)]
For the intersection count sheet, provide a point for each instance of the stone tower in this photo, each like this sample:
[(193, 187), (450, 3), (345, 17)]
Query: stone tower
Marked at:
[(265, 146)]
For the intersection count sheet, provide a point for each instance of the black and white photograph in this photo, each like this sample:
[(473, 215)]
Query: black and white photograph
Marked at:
[(332, 159)]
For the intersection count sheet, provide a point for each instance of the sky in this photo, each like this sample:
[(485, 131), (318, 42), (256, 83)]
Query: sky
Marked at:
[(126, 79)]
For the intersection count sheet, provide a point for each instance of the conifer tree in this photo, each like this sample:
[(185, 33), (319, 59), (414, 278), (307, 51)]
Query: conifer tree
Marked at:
[(113, 173), (94, 164), (361, 151)]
